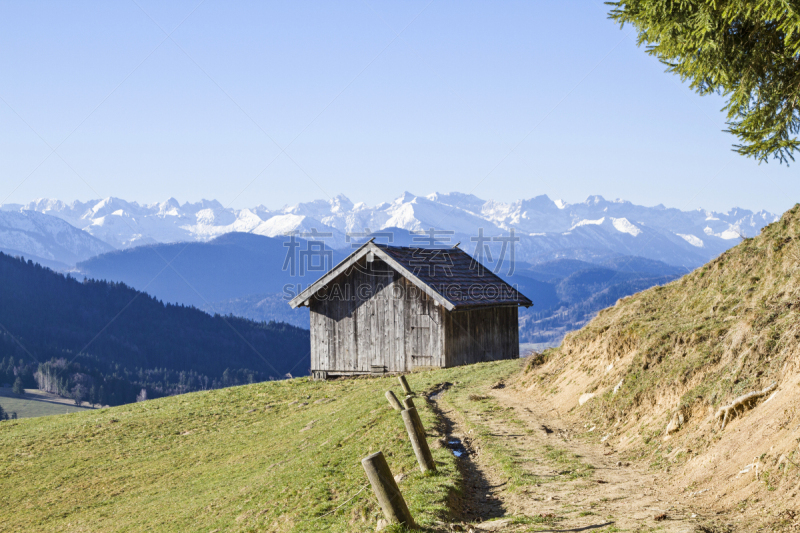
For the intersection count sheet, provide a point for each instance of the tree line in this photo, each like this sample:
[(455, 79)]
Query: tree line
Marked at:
[(105, 343)]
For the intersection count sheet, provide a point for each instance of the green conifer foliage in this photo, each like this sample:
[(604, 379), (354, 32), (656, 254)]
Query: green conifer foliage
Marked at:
[(746, 50), (18, 388)]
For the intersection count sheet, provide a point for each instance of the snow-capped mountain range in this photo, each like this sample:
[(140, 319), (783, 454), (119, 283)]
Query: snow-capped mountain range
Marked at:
[(547, 228), (48, 240)]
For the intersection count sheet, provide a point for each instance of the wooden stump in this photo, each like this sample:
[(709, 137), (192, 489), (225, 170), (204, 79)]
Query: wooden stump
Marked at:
[(393, 401), (416, 434), (404, 384), (385, 488)]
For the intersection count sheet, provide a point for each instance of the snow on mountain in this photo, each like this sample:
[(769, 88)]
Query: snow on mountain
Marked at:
[(624, 225), (598, 222), (728, 234), (547, 229), (48, 239), (125, 224), (691, 239), (304, 227), (468, 202)]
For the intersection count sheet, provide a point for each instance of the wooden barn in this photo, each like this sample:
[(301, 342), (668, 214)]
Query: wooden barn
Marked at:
[(396, 309)]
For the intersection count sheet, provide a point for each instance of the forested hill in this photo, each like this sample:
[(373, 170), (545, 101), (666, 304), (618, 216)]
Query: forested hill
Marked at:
[(104, 342)]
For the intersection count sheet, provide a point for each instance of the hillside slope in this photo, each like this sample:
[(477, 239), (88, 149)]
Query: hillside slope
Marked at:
[(236, 273), (650, 375), (109, 340), (230, 266), (279, 456), (581, 289)]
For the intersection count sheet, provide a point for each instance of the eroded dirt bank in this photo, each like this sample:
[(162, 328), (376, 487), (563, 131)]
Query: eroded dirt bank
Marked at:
[(528, 468)]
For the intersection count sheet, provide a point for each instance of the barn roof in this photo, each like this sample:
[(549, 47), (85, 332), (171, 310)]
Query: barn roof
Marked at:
[(448, 275)]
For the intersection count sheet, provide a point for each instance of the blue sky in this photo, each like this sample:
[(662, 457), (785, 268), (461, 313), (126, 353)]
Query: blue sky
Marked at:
[(276, 103)]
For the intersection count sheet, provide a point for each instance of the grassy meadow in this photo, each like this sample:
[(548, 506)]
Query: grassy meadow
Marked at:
[(33, 405), (276, 456)]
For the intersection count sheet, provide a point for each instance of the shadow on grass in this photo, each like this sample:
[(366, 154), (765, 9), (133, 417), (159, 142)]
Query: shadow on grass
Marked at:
[(477, 503)]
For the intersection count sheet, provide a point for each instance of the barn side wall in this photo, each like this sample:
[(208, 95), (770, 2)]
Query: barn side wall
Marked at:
[(372, 319), (477, 335)]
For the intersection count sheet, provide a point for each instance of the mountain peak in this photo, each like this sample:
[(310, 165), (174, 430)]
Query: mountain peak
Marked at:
[(468, 202), (45, 204), (108, 205), (340, 203), (595, 199), (405, 198), (170, 203)]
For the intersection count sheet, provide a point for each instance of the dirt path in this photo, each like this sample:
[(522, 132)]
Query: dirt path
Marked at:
[(483, 488), (573, 485)]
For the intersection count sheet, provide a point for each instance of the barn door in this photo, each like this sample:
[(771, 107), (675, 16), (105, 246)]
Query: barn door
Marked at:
[(421, 354)]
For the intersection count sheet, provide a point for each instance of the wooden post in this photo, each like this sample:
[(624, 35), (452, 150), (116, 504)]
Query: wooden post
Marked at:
[(393, 401), (408, 402), (385, 488), (416, 434), (404, 384)]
